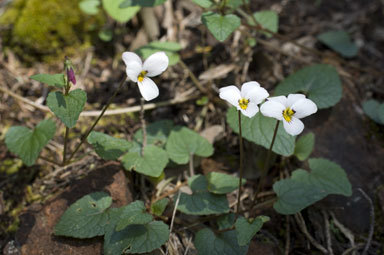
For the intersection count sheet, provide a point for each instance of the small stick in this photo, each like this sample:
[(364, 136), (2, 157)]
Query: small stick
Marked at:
[(372, 225), (173, 218), (327, 232), (174, 190), (300, 221), (347, 233), (287, 236)]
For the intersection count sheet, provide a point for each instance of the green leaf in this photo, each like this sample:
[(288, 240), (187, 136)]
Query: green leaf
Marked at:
[(259, 130), (85, 218), (158, 207), (142, 3), (134, 213), (374, 110), (152, 163), (339, 41), (220, 183), (304, 146), (170, 49), (207, 243), (56, 80), (67, 107), (268, 20), (226, 221), (234, 4), (137, 238), (321, 83), (203, 3), (157, 133), (106, 34), (202, 202), (27, 143), (183, 142), (108, 147), (305, 188), (246, 229), (90, 7), (122, 15), (220, 26)]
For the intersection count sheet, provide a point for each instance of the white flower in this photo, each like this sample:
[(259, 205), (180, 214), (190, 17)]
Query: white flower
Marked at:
[(139, 72), (289, 110), (247, 99)]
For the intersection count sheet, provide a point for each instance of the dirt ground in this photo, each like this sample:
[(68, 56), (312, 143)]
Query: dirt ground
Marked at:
[(343, 133)]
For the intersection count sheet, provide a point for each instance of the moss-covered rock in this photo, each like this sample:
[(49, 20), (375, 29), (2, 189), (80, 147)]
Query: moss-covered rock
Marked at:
[(47, 29)]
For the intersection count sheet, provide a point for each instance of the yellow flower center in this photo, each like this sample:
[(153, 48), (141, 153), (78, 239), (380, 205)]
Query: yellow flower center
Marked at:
[(288, 113), (243, 103), (141, 76)]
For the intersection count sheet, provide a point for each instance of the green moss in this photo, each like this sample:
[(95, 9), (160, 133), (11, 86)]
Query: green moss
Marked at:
[(48, 29)]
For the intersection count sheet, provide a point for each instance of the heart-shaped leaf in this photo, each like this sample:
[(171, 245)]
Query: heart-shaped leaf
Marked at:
[(203, 3), (268, 20), (134, 213), (67, 107), (246, 229), (304, 146), (221, 26), (157, 133), (321, 83), (259, 130), (374, 110), (136, 238), (56, 80), (120, 14), (220, 183), (305, 188), (202, 202), (90, 7), (86, 217), (27, 143), (339, 41), (108, 147), (183, 142), (152, 163), (207, 242)]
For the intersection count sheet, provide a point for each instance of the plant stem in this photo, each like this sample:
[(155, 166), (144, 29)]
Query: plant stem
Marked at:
[(98, 118), (241, 164), (143, 126), (65, 145), (265, 168)]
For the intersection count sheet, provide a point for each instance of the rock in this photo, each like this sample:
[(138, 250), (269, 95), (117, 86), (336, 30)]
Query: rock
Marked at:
[(35, 235)]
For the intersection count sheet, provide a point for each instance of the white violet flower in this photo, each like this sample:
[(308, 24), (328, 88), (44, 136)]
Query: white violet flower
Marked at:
[(289, 110), (140, 73), (247, 99)]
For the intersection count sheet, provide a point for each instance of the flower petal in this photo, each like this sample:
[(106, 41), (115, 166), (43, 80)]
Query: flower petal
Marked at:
[(293, 98), (294, 127), (255, 95), (303, 108), (148, 89), (133, 70), (280, 99), (273, 109), (246, 87), (251, 110), (156, 64), (131, 57), (231, 94)]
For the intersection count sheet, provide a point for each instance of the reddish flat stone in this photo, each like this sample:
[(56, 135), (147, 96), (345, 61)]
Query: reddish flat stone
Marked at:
[(35, 235)]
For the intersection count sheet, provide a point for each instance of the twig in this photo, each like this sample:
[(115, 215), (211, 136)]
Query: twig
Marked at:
[(327, 232), (25, 100), (193, 77), (173, 218), (353, 249), (191, 167), (174, 190), (347, 233), (287, 236), (300, 221), (49, 160), (372, 216)]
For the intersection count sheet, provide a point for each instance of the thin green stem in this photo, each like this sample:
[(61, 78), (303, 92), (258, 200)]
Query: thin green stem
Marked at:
[(241, 164), (98, 118), (143, 126), (65, 145), (265, 168)]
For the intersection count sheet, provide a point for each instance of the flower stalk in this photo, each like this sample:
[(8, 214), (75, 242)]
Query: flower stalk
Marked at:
[(143, 126), (84, 137), (241, 170)]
